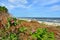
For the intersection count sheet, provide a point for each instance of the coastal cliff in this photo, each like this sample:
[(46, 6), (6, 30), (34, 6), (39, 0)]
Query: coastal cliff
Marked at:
[(16, 29)]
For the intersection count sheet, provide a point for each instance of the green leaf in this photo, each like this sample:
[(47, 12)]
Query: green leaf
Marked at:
[(13, 36), (22, 29), (43, 34)]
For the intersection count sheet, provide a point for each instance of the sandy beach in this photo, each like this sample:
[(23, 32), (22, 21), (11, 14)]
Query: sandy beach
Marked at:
[(50, 23), (47, 23)]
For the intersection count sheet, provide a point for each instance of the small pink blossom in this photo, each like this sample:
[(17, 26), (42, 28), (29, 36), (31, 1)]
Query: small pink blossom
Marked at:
[(33, 31)]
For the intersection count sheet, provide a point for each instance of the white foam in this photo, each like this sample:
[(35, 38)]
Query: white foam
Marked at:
[(47, 23)]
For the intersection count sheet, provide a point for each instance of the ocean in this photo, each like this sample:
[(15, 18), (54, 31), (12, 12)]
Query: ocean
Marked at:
[(54, 20)]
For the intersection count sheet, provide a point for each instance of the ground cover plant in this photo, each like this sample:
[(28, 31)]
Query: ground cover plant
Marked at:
[(42, 34), (17, 29), (38, 34)]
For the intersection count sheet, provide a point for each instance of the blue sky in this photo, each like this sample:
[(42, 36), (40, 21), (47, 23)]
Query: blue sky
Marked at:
[(32, 8)]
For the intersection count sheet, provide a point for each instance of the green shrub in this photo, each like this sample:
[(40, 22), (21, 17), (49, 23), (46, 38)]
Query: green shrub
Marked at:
[(22, 29), (43, 34), (3, 9), (11, 36), (9, 21)]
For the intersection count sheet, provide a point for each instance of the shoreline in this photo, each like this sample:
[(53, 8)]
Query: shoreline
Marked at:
[(50, 23), (46, 23)]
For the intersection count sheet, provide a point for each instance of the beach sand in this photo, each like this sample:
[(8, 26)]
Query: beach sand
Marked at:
[(50, 23), (46, 23)]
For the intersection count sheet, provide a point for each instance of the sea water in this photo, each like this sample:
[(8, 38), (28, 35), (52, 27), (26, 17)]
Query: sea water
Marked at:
[(54, 20)]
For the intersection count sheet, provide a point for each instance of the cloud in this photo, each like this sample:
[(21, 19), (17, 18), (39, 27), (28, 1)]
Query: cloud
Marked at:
[(7, 5), (48, 2), (49, 5), (18, 1), (11, 4), (11, 1), (55, 8), (21, 3), (2, 4)]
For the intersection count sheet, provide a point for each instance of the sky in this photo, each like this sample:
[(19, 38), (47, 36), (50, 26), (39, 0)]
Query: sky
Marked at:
[(32, 8)]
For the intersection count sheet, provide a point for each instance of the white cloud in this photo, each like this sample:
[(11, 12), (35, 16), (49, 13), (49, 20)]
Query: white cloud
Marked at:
[(55, 8), (18, 1), (18, 4), (47, 2), (21, 3), (2, 4), (7, 6), (11, 1), (15, 4), (11, 6)]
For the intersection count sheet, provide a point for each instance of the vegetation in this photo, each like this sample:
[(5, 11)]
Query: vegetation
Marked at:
[(58, 27), (43, 34), (38, 34), (11, 36), (16, 29), (22, 29), (12, 21), (3, 9)]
